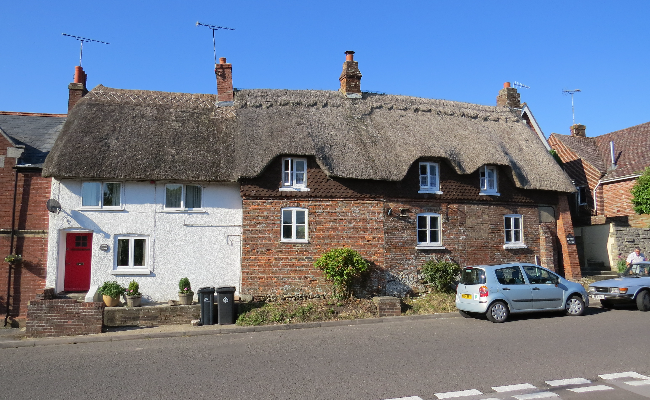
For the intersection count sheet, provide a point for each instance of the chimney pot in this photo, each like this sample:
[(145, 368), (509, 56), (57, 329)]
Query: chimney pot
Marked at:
[(222, 60), (506, 85), (349, 55)]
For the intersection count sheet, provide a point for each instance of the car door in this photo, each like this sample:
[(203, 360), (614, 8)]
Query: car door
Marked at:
[(514, 287), (547, 294)]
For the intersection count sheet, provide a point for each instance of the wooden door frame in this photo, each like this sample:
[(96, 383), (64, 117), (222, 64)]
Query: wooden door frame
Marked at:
[(60, 275)]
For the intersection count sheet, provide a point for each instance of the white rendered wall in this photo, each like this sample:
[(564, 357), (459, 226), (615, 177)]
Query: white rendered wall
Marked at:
[(204, 246)]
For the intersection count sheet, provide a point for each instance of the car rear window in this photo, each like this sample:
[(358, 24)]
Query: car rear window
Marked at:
[(472, 276)]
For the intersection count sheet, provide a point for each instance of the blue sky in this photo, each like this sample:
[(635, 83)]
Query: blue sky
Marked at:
[(453, 50)]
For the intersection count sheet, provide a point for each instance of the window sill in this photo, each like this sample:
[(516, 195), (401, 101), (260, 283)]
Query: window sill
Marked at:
[(181, 210), (131, 272), (114, 209), (489, 194), (294, 189), (515, 246), (429, 247), (429, 191), (294, 241)]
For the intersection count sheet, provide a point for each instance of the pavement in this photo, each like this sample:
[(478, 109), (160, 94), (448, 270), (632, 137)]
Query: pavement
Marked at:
[(17, 337)]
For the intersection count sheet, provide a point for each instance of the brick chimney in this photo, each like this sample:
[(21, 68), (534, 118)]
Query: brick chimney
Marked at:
[(223, 71), (508, 97), (350, 77), (578, 130), (77, 89)]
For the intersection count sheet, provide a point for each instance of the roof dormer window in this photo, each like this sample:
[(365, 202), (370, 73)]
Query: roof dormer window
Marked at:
[(294, 174), (489, 179)]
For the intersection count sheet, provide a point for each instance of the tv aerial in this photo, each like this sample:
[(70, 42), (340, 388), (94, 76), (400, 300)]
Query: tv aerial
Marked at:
[(521, 85), (81, 42), (214, 28), (572, 92)]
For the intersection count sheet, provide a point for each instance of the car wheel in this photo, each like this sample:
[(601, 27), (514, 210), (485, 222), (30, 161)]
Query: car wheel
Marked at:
[(465, 314), (497, 312), (643, 301), (575, 306)]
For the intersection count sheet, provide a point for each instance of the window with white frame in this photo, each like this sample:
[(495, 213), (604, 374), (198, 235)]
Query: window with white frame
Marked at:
[(105, 195), (131, 254), (429, 177), (294, 173), (183, 197), (428, 230), (488, 174), (294, 225), (513, 229)]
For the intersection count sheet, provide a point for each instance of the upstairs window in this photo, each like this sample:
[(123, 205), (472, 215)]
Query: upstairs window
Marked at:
[(105, 195), (294, 173), (488, 174), (294, 225), (513, 229), (583, 195), (428, 227), (183, 197), (429, 178)]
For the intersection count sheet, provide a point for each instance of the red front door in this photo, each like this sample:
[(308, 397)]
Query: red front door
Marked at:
[(77, 261)]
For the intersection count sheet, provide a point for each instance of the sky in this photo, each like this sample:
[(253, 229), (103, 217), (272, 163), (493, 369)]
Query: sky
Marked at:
[(453, 50)]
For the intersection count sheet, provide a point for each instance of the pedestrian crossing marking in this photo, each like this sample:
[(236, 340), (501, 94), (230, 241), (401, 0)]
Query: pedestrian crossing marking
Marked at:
[(638, 383), (623, 375), (566, 382), (539, 395), (595, 388), (511, 388), (462, 393)]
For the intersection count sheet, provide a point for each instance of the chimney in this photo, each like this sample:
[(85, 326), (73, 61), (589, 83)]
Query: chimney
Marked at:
[(77, 89), (350, 77), (223, 71), (578, 130), (508, 97)]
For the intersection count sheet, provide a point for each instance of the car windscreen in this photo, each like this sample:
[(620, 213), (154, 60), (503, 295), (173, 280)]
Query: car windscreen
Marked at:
[(637, 270), (472, 276)]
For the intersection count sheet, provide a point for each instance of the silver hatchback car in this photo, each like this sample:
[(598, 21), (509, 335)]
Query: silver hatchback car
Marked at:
[(499, 290)]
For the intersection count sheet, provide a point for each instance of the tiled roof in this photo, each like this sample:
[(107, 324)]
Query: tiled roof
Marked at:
[(631, 147), (586, 148), (37, 132)]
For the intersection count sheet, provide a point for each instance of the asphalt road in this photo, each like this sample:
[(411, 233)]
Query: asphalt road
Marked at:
[(416, 358)]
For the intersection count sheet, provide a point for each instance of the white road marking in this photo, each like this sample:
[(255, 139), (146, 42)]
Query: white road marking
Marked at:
[(596, 388), (539, 395), (630, 374), (638, 383), (408, 398), (462, 393), (566, 382), (511, 388)]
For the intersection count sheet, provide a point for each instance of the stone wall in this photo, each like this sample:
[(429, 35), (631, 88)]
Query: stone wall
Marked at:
[(151, 316), (627, 238)]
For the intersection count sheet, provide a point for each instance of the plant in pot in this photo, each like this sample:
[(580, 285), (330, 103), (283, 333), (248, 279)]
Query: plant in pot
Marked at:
[(14, 259), (111, 292), (185, 293), (133, 295)]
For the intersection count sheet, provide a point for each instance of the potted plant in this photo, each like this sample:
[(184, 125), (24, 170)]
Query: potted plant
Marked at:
[(185, 293), (111, 292), (133, 295), (14, 259)]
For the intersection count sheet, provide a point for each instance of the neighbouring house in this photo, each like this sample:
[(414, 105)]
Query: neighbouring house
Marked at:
[(604, 169), (25, 140), (248, 188)]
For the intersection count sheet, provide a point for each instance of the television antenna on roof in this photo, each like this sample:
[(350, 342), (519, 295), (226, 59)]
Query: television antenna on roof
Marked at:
[(81, 41), (214, 28), (571, 92), (521, 85)]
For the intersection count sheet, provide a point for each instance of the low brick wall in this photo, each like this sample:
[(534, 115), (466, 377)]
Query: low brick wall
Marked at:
[(63, 317), (151, 315), (388, 306)]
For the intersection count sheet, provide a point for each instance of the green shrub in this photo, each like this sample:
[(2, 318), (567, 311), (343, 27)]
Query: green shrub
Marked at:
[(441, 274), (184, 286), (621, 265), (341, 266), (134, 289), (112, 289), (641, 193)]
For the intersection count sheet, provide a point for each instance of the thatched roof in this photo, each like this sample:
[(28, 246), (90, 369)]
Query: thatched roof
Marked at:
[(142, 135)]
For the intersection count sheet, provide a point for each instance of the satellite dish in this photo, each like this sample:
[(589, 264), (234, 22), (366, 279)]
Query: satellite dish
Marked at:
[(53, 206)]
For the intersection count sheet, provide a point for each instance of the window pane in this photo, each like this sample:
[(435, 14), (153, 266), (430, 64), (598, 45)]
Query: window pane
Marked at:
[(508, 236), (286, 231), (517, 223), (508, 223), (300, 232), (173, 196), (300, 217), (286, 217), (112, 194), (517, 235), (192, 196), (90, 194), (286, 172), (422, 236), (139, 250), (123, 252)]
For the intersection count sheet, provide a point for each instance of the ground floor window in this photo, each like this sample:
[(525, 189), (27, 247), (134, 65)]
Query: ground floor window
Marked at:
[(294, 225), (132, 253), (428, 230), (513, 230)]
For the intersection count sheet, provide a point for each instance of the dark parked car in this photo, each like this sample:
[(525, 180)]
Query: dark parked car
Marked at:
[(633, 286)]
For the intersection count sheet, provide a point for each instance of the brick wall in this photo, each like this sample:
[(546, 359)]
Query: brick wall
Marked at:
[(63, 317), (617, 198)]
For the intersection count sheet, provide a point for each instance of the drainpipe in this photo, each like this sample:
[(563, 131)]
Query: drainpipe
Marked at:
[(11, 243), (595, 199)]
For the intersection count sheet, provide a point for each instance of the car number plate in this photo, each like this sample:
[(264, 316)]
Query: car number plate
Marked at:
[(598, 297), (466, 296)]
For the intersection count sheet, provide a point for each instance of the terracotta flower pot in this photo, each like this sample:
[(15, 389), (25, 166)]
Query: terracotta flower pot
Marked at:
[(111, 301), (133, 301), (185, 299)]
